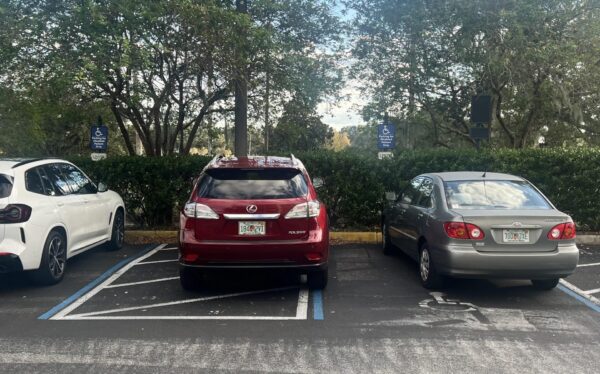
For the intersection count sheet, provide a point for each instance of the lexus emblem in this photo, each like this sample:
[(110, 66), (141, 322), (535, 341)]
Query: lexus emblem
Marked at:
[(517, 224), (251, 209)]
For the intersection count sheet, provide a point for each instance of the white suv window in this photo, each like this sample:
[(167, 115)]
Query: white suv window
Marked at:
[(77, 181), (57, 179), (5, 186), (33, 182)]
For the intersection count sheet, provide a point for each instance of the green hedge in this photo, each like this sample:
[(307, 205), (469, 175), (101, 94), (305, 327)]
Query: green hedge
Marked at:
[(355, 183), (153, 188)]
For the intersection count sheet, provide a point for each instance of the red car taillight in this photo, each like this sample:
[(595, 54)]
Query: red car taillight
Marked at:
[(304, 210), (562, 231), (15, 213), (195, 210), (461, 230)]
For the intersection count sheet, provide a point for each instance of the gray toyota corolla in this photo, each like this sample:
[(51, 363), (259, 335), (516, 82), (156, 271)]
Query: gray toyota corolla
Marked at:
[(480, 225)]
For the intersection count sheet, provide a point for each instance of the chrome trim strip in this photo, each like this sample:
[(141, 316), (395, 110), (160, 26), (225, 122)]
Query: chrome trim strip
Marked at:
[(403, 233), (530, 227), (252, 216)]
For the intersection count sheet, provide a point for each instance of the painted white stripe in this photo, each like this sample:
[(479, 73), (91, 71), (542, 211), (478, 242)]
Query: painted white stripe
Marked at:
[(169, 249), (580, 292), (142, 282), (156, 262), (590, 292), (302, 308), (77, 303), (77, 317), (179, 302), (585, 265)]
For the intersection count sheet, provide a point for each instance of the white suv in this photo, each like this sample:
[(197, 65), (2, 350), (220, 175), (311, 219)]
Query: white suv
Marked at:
[(51, 211)]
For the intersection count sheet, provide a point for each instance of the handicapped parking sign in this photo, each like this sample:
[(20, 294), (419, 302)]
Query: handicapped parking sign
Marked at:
[(386, 136), (99, 138)]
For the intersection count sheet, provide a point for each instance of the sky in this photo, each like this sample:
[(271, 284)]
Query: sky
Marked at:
[(346, 111)]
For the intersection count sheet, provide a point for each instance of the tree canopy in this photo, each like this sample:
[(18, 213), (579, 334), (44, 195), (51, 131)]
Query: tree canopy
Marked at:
[(538, 59), (163, 74), (162, 67)]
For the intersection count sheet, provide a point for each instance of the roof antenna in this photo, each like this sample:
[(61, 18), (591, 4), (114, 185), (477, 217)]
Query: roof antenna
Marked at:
[(484, 173)]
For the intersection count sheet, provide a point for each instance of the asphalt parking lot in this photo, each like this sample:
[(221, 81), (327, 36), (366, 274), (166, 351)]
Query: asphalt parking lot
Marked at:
[(125, 311)]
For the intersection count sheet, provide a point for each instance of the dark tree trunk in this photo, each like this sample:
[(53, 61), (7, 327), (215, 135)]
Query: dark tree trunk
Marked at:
[(123, 129), (241, 101)]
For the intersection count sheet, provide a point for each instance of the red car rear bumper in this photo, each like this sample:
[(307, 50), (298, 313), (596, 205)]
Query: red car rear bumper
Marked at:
[(312, 253)]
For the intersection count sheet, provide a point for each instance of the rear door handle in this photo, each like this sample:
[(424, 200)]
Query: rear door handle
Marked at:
[(420, 215), (60, 204)]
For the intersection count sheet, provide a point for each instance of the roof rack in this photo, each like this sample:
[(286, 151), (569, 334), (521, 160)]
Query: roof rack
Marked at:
[(216, 159), (26, 161)]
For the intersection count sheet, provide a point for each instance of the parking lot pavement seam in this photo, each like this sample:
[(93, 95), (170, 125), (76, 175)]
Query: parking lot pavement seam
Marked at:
[(574, 291), (90, 286)]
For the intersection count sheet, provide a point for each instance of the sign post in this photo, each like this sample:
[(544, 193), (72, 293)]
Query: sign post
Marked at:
[(481, 114), (99, 140)]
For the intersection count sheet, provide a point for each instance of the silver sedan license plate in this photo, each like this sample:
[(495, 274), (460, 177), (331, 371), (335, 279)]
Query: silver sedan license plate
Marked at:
[(251, 228), (515, 236)]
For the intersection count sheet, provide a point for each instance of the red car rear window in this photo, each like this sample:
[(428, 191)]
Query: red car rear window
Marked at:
[(252, 184)]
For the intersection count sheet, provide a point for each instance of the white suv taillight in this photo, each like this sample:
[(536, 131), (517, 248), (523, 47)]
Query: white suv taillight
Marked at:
[(15, 213), (195, 210), (304, 210)]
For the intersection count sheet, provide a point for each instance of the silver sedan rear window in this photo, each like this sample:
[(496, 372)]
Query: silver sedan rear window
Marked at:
[(493, 194)]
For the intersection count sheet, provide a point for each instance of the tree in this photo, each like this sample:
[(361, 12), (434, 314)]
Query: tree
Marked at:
[(162, 67), (431, 57), (339, 141), (300, 129)]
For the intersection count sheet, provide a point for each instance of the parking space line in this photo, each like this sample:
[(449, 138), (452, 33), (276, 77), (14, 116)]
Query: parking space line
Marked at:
[(142, 282), (590, 292), (93, 288), (302, 308), (136, 318), (92, 284), (179, 302), (318, 305), (574, 291), (169, 249), (155, 262), (586, 265)]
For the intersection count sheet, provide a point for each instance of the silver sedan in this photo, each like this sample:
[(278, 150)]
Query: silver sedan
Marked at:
[(480, 225)]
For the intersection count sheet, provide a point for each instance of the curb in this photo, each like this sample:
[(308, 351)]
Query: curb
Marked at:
[(337, 237), (135, 237)]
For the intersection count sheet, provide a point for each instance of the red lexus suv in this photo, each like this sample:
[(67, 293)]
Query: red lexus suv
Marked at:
[(254, 212)]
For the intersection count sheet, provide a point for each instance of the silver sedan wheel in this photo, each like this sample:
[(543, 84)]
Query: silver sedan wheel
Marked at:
[(424, 264)]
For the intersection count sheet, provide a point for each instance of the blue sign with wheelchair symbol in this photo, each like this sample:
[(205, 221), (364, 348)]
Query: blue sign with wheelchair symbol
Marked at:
[(386, 136), (99, 138)]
